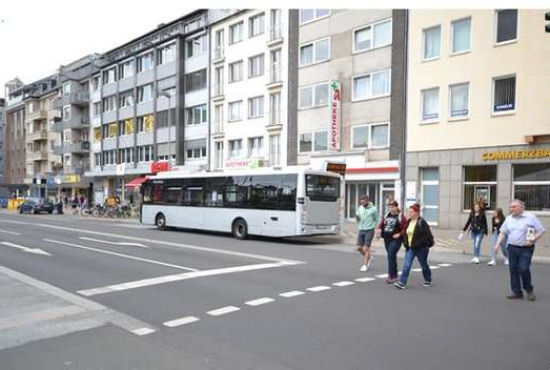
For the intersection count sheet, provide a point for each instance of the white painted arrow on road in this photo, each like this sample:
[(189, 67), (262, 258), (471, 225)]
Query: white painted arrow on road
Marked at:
[(124, 244), (26, 249)]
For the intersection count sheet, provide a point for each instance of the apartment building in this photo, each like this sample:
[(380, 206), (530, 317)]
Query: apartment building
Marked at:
[(42, 164), (149, 104), (14, 139), (2, 129), (477, 114), (351, 96), (253, 89)]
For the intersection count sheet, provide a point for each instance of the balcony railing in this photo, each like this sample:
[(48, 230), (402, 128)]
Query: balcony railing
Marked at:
[(217, 127), (76, 123), (72, 147), (37, 135), (275, 75), (39, 114), (275, 117), (218, 53), (81, 98), (275, 32), (218, 90), (37, 156)]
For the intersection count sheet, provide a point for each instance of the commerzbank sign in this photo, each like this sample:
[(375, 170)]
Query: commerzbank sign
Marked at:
[(516, 154)]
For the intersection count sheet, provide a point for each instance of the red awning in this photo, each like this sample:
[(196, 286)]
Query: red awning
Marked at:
[(136, 182)]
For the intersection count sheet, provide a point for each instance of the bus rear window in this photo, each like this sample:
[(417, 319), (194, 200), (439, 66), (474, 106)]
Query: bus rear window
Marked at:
[(322, 188)]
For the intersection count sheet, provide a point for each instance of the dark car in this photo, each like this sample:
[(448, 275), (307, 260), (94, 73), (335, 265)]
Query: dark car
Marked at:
[(35, 207)]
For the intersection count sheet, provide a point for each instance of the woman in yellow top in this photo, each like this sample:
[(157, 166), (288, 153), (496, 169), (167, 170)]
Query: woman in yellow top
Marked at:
[(418, 240)]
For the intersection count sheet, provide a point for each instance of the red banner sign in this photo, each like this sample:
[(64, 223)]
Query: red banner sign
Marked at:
[(160, 166)]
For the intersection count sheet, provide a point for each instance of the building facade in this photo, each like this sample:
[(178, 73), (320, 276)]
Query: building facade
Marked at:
[(14, 139), (351, 66), (253, 84), (478, 123), (2, 129)]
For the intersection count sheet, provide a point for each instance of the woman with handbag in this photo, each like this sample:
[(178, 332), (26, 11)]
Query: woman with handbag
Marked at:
[(418, 240), (390, 229), (477, 224)]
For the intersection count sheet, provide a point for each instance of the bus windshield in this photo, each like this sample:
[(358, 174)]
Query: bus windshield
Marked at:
[(322, 188)]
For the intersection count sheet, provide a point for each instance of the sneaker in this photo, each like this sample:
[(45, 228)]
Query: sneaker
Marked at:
[(531, 297), (514, 296), (506, 262), (427, 283), (491, 263), (475, 260), (364, 268), (398, 285)]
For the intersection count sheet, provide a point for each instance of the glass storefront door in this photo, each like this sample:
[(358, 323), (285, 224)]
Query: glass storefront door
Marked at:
[(430, 195), (355, 190)]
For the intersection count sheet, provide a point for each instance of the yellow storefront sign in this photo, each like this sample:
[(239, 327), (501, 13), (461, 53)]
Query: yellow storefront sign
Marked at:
[(516, 154), (70, 179)]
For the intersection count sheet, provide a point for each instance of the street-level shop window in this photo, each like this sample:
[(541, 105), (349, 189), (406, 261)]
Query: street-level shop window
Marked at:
[(315, 52), (236, 33), (461, 35), (372, 85), (314, 96), (480, 185), (459, 100), (256, 25), (532, 185), (236, 71), (372, 136), (504, 94), (431, 39), (506, 25), (430, 105), (235, 148), (313, 141), (310, 15), (372, 36)]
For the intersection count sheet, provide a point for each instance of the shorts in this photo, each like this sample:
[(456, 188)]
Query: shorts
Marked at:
[(364, 238)]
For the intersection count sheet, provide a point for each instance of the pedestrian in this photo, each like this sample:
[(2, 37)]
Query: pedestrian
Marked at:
[(418, 239), (477, 225), (390, 229), (496, 223), (368, 218), (522, 230)]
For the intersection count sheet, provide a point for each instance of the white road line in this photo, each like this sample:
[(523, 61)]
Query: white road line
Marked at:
[(124, 244), (259, 301), (127, 256), (343, 283), (291, 294), (179, 322), (223, 311), (417, 270), (143, 331), (319, 288), (26, 249), (434, 267), (9, 232), (382, 276), (365, 280), (173, 278), (445, 264)]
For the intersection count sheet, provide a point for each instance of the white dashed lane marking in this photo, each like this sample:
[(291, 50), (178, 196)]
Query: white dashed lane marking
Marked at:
[(365, 280), (445, 265), (343, 283), (382, 276), (182, 321), (291, 294), (143, 331), (223, 311), (319, 288), (259, 301)]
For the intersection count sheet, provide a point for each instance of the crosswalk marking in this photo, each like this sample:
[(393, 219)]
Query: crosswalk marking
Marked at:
[(181, 321)]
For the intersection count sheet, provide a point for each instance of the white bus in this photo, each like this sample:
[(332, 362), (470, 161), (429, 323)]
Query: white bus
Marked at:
[(278, 203)]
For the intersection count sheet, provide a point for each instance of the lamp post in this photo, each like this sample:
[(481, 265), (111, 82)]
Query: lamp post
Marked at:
[(168, 96)]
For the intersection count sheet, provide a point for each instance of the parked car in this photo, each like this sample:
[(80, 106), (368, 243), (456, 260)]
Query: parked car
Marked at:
[(37, 206)]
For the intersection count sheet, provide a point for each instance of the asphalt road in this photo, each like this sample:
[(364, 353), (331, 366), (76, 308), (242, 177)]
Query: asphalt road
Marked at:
[(85, 294)]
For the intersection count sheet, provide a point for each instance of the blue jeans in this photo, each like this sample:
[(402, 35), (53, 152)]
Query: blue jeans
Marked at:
[(477, 237), (422, 256), (520, 263), (504, 246), (392, 247)]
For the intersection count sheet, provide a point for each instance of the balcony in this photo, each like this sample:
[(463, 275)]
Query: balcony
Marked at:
[(37, 136), (37, 156), (76, 170), (37, 115), (72, 147), (275, 77), (218, 93), (275, 34), (80, 98), (218, 129), (219, 55), (72, 123)]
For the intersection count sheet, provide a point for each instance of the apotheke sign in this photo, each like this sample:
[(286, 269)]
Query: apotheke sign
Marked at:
[(335, 114)]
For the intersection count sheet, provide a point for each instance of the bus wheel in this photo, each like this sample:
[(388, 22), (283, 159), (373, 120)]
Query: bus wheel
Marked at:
[(160, 221), (240, 229)]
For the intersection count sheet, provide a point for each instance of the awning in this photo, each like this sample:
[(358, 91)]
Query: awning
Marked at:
[(136, 182)]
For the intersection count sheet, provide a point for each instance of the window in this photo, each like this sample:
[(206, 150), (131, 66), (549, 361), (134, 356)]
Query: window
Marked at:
[(235, 149), (197, 153), (218, 81), (219, 43), (371, 136), (256, 66), (97, 109), (315, 52), (109, 103), (109, 76), (275, 108), (236, 33), (459, 100), (506, 25), (504, 94), (66, 88), (219, 155), (195, 81), (126, 99), (367, 39), (480, 185), (146, 123), (144, 93), (126, 69), (66, 136), (255, 147), (126, 155), (256, 107), (316, 141), (236, 71), (532, 185), (145, 62), (112, 129), (166, 118), (96, 83), (66, 112), (97, 134), (145, 153), (360, 137), (430, 104), (461, 35), (97, 159), (380, 136), (314, 96), (196, 115), (235, 111), (275, 150), (432, 42), (310, 15), (256, 25), (197, 46), (373, 85), (322, 188), (166, 54)]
